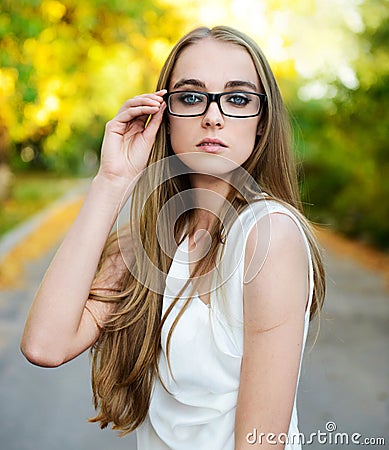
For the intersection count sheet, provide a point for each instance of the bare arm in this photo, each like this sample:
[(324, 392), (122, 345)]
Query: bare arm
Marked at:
[(274, 306), (59, 327)]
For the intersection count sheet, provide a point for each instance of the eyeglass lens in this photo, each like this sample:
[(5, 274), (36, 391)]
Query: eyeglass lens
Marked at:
[(238, 104)]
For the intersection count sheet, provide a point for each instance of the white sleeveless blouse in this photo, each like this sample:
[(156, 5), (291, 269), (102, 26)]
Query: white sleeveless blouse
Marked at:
[(206, 352)]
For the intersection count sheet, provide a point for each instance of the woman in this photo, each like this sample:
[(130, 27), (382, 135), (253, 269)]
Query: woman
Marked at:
[(197, 313)]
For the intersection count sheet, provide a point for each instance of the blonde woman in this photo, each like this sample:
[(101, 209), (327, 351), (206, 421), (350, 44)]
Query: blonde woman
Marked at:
[(196, 311)]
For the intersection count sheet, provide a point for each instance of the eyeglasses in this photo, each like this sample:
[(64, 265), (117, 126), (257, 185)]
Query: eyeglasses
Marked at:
[(232, 104)]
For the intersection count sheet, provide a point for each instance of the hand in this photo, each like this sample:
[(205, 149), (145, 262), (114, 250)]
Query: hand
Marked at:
[(127, 142)]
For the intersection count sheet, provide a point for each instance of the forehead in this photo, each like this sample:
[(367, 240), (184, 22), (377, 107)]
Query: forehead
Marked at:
[(215, 63)]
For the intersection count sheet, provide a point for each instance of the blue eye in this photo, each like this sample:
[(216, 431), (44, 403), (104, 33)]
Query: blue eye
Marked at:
[(239, 99), (191, 99)]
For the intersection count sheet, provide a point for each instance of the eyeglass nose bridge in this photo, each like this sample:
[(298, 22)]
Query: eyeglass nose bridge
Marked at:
[(213, 98)]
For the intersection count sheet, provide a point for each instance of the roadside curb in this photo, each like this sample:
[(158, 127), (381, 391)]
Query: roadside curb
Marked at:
[(21, 231), (15, 246)]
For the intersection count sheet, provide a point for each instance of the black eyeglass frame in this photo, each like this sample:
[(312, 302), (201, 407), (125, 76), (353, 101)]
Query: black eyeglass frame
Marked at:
[(215, 98)]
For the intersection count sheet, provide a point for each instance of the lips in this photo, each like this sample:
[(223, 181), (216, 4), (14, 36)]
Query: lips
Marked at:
[(211, 144)]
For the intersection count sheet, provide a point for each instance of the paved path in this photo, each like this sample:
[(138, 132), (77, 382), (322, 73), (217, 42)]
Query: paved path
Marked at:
[(44, 409), (345, 376), (344, 380)]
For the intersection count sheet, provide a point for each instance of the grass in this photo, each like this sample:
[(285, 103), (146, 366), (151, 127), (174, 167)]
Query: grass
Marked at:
[(37, 242), (29, 194)]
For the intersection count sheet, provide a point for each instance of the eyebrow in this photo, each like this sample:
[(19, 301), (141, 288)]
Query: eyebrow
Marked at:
[(229, 84), (240, 83), (189, 82)]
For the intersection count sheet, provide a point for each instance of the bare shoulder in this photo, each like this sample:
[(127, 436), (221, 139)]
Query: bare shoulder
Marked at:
[(275, 293), (276, 270), (274, 236)]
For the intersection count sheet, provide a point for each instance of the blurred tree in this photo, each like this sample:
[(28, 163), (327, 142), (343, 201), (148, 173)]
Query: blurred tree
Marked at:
[(347, 158), (65, 68), (5, 172)]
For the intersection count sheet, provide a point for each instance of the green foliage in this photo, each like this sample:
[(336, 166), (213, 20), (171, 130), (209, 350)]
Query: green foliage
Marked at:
[(67, 66), (347, 159)]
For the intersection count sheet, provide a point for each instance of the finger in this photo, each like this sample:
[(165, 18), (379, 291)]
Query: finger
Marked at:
[(141, 121), (135, 103), (138, 124), (121, 123), (161, 93), (154, 124), (135, 112), (145, 99)]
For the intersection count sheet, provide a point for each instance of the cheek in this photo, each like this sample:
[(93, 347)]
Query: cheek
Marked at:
[(246, 139), (179, 133)]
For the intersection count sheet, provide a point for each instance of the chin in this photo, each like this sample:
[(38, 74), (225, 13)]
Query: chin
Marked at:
[(208, 163)]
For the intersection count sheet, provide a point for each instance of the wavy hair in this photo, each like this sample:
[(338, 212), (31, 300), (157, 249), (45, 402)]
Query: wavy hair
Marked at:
[(125, 356)]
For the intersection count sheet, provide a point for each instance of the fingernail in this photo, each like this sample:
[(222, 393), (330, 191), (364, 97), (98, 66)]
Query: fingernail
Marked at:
[(162, 91)]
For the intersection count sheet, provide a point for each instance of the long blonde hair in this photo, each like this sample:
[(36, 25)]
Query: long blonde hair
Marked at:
[(125, 357)]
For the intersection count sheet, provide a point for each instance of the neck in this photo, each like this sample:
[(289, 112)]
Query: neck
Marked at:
[(209, 195)]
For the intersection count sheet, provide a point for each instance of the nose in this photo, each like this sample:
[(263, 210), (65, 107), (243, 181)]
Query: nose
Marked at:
[(213, 116)]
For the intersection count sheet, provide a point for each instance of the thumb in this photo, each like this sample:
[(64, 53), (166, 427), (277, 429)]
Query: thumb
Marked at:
[(154, 124)]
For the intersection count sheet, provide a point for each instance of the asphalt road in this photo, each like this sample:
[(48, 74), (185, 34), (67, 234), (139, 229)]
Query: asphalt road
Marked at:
[(344, 379)]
